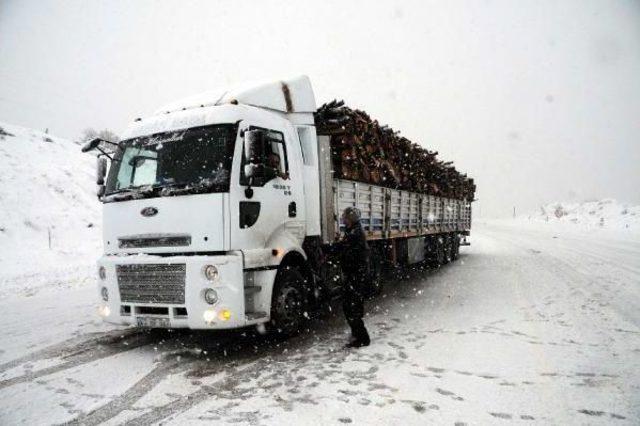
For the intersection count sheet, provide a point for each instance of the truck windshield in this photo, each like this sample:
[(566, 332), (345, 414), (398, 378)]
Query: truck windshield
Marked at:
[(186, 161)]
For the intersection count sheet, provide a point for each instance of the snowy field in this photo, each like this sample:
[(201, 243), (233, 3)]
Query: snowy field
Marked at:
[(538, 322), (530, 325), (49, 218)]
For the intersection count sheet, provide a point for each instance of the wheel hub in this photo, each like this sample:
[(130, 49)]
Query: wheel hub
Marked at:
[(288, 304)]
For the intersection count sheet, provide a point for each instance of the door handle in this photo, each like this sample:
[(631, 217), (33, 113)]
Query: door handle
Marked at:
[(292, 209)]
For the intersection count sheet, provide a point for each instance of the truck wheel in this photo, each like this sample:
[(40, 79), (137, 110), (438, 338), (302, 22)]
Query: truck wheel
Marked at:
[(436, 252), (288, 303), (446, 248), (455, 247)]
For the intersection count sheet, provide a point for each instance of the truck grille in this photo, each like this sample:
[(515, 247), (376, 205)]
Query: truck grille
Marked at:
[(153, 283), (156, 241)]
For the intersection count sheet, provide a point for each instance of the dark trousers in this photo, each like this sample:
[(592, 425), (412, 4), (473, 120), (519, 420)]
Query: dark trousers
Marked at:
[(353, 306)]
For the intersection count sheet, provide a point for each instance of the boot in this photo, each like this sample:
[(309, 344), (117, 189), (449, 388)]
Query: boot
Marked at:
[(356, 344), (360, 335)]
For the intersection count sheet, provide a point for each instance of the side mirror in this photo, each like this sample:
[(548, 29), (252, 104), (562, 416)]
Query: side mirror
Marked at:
[(101, 170), (250, 170), (91, 145), (253, 151), (96, 144)]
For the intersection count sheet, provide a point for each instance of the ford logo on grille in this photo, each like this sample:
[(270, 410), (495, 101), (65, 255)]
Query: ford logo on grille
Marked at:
[(149, 211)]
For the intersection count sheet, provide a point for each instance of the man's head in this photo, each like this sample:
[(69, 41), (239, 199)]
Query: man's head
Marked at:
[(351, 216), (273, 160)]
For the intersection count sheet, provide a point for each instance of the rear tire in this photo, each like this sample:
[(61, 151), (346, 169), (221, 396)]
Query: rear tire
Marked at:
[(446, 249), (455, 247), (288, 302), (436, 256)]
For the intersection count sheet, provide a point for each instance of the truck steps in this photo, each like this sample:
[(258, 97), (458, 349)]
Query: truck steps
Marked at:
[(252, 289), (254, 315)]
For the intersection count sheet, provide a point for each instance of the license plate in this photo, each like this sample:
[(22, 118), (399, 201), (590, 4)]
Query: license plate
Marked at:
[(150, 322)]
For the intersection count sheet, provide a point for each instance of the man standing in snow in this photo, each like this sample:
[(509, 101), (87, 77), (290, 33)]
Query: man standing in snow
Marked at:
[(354, 259)]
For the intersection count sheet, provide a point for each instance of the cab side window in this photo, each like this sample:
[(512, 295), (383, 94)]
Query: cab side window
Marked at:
[(277, 154), (273, 157)]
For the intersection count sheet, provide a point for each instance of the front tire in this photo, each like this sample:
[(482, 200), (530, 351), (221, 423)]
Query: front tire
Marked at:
[(288, 302)]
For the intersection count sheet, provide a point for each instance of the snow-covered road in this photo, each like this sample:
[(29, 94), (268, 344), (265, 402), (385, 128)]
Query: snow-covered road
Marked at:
[(530, 325)]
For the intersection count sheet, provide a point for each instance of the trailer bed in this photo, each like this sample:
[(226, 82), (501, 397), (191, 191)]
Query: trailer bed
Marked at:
[(385, 212)]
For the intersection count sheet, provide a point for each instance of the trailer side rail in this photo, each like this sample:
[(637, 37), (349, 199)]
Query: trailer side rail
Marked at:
[(392, 213)]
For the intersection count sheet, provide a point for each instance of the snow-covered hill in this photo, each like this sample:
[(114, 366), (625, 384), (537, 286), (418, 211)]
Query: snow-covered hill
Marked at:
[(606, 214), (49, 216)]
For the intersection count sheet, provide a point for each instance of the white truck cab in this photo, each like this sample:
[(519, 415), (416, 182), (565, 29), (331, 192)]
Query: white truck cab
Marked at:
[(190, 240)]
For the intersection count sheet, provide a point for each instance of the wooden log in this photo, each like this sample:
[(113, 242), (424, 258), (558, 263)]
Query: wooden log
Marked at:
[(364, 150)]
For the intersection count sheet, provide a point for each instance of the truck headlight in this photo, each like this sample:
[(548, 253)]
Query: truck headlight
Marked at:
[(104, 292), (209, 316), (210, 296), (210, 272), (102, 272), (104, 311)]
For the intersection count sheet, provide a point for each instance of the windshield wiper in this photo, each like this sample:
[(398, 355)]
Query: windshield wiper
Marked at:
[(202, 186), (143, 189), (166, 189), (129, 193)]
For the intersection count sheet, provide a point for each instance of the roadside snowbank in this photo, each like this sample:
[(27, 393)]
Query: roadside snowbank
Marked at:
[(605, 218), (607, 213), (47, 193)]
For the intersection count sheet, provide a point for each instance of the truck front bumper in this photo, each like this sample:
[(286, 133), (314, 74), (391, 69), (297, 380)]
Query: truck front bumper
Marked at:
[(168, 292)]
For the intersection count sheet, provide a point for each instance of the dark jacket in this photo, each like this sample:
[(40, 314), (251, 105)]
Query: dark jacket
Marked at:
[(354, 251)]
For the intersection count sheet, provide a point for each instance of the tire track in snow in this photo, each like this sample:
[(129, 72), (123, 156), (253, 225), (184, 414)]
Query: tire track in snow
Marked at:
[(217, 389), (77, 351), (194, 368), (230, 353), (228, 387), (132, 395)]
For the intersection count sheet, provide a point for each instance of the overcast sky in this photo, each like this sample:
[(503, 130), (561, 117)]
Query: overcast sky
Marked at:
[(538, 100)]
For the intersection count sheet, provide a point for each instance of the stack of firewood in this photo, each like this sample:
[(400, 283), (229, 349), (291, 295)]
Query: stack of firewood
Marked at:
[(365, 151)]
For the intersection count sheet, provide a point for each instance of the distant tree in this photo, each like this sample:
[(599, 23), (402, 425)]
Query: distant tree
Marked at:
[(91, 133), (88, 134), (108, 135)]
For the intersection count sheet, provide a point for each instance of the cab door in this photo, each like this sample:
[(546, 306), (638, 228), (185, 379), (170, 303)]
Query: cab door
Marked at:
[(274, 205)]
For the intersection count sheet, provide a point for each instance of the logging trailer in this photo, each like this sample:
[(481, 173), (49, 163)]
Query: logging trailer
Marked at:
[(218, 211)]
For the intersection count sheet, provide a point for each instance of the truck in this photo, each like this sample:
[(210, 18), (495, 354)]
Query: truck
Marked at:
[(220, 211)]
